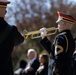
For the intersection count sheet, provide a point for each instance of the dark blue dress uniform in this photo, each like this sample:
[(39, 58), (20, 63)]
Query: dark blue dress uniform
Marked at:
[(9, 37), (62, 50), (14, 38)]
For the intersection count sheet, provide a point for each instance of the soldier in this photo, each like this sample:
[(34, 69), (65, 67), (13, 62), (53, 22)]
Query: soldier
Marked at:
[(61, 50), (9, 37)]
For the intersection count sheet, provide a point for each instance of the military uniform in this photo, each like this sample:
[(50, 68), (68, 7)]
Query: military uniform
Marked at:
[(61, 51), (9, 37), (6, 47)]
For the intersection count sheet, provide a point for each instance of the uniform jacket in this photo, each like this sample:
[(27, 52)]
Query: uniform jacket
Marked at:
[(62, 50), (6, 47)]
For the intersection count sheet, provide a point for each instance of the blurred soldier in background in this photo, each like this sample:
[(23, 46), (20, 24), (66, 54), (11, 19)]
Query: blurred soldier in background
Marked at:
[(63, 46), (9, 37)]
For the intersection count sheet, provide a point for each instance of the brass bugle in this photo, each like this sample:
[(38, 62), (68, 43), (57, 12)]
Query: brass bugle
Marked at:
[(36, 34)]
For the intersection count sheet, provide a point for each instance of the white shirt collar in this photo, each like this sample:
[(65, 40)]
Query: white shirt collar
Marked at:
[(31, 61)]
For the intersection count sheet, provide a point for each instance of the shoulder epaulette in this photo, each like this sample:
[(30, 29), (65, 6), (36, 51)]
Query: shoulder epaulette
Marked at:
[(59, 35), (62, 33)]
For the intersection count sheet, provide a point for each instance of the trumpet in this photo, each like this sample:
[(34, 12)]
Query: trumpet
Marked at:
[(36, 34)]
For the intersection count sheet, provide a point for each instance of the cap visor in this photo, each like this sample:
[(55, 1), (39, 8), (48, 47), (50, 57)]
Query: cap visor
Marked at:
[(4, 3)]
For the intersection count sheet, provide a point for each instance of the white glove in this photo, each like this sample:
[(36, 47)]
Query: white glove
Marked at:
[(43, 32)]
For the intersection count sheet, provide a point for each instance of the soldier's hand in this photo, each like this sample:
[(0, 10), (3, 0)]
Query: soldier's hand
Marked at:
[(43, 32)]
